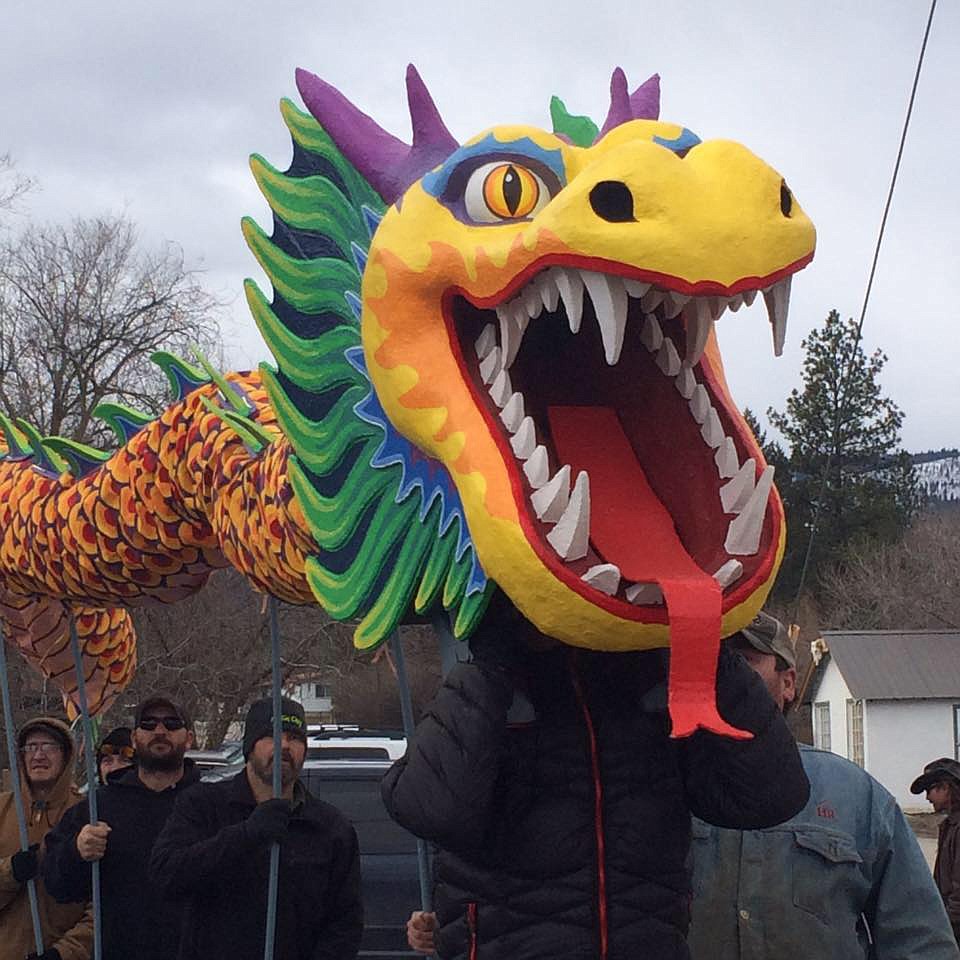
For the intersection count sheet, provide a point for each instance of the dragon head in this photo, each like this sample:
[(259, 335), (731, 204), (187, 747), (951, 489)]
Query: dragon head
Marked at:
[(538, 315)]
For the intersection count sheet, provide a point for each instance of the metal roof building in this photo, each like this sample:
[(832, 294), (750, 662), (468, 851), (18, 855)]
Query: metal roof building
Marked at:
[(889, 700)]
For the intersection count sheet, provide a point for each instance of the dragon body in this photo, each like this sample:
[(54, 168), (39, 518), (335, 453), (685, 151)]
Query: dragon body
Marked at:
[(495, 365)]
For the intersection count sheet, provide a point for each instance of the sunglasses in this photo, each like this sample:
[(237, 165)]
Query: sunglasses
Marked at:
[(42, 746), (169, 723), (109, 750)]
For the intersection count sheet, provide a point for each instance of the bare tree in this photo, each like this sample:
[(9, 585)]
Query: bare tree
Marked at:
[(81, 310), (911, 584), (13, 184)]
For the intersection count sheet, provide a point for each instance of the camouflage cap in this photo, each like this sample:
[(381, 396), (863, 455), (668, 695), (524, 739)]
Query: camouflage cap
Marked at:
[(768, 635)]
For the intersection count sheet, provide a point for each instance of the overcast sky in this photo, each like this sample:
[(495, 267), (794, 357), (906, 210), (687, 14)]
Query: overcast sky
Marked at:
[(153, 110)]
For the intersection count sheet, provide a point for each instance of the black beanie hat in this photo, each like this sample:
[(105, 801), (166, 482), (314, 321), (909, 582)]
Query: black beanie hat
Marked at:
[(259, 722)]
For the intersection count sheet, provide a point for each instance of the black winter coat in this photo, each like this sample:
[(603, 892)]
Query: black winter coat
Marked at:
[(206, 857), (136, 922), (565, 837)]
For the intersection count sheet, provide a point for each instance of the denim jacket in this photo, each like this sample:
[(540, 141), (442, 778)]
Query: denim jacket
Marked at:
[(843, 879)]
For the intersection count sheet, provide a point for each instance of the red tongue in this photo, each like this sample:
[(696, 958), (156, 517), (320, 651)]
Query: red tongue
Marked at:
[(630, 527)]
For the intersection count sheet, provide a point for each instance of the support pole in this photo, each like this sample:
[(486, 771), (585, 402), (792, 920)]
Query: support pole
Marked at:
[(17, 793), (406, 710), (91, 770), (268, 945)]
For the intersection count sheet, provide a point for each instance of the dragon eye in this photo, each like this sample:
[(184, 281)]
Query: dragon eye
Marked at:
[(504, 191)]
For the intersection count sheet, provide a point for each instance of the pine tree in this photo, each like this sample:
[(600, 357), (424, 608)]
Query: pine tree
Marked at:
[(845, 472)]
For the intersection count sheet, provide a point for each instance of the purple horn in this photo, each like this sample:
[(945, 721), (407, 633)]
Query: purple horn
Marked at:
[(642, 104), (388, 164)]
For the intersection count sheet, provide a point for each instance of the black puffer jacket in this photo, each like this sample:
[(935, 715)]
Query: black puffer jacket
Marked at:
[(565, 837)]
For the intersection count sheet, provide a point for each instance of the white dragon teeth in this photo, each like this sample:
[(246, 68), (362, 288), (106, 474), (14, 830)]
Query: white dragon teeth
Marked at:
[(570, 286), (735, 493), (552, 498), (644, 594), (685, 382), (726, 459), (698, 316), (729, 573), (700, 403), (513, 413), (777, 299), (712, 430), (668, 360), (490, 366), (610, 306), (636, 288), (553, 501), (487, 339), (502, 390), (604, 577), (651, 336), (537, 468), (743, 534), (524, 441), (570, 536)]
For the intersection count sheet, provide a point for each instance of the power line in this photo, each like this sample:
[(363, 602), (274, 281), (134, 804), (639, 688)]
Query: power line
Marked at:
[(863, 312)]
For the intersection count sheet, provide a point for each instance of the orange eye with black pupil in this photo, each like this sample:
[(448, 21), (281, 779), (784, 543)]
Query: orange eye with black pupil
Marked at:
[(511, 191), (502, 191)]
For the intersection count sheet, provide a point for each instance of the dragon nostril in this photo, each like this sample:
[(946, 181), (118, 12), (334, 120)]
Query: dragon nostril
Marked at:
[(786, 199), (612, 201)]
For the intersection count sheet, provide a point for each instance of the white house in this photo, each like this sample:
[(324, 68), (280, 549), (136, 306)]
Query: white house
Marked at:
[(316, 699), (888, 700)]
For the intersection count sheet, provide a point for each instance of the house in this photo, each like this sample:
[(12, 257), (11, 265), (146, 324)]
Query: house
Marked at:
[(889, 700), (315, 697)]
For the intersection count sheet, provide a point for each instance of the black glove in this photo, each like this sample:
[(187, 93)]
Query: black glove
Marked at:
[(24, 865), (51, 953), (269, 821)]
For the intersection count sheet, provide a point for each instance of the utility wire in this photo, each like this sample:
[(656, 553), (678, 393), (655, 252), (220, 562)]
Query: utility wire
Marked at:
[(863, 313)]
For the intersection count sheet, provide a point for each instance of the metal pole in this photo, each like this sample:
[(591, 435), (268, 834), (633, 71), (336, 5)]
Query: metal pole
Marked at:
[(268, 945), (406, 709), (17, 794), (90, 764)]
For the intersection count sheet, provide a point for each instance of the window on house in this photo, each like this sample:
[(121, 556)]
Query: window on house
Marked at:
[(821, 725), (320, 691), (956, 731), (855, 731)]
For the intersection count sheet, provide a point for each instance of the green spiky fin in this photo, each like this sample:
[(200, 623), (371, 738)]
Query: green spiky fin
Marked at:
[(44, 458), (254, 437), (183, 377), (18, 446), (82, 459), (124, 421), (230, 392), (581, 131), (381, 550)]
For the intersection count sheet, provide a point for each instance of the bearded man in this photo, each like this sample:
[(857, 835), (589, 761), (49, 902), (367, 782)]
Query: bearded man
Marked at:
[(214, 853), (133, 808)]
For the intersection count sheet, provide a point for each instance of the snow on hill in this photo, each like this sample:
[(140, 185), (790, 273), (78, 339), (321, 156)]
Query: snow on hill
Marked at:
[(939, 478)]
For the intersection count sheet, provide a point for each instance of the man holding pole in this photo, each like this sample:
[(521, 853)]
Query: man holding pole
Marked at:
[(133, 808), (215, 852), (45, 752)]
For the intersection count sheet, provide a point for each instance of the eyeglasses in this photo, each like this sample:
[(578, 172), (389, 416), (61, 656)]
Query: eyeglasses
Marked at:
[(109, 750), (41, 746), (169, 723)]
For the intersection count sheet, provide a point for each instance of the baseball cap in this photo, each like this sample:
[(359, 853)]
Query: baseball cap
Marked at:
[(159, 700), (259, 721), (768, 635), (936, 771)]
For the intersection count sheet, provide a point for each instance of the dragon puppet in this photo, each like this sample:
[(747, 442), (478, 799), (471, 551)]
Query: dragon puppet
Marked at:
[(496, 366)]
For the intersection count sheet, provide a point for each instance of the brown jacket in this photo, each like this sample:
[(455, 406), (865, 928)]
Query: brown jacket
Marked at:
[(946, 870), (68, 927)]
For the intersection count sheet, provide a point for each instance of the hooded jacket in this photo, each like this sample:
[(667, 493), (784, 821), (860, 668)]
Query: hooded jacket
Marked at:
[(67, 927), (565, 836)]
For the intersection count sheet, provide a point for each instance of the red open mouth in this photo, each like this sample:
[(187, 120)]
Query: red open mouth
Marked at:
[(627, 456)]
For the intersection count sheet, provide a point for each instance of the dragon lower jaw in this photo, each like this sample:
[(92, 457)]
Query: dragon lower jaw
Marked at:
[(576, 354)]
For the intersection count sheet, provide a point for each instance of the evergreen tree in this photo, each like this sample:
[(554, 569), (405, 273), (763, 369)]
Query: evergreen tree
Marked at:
[(844, 470)]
